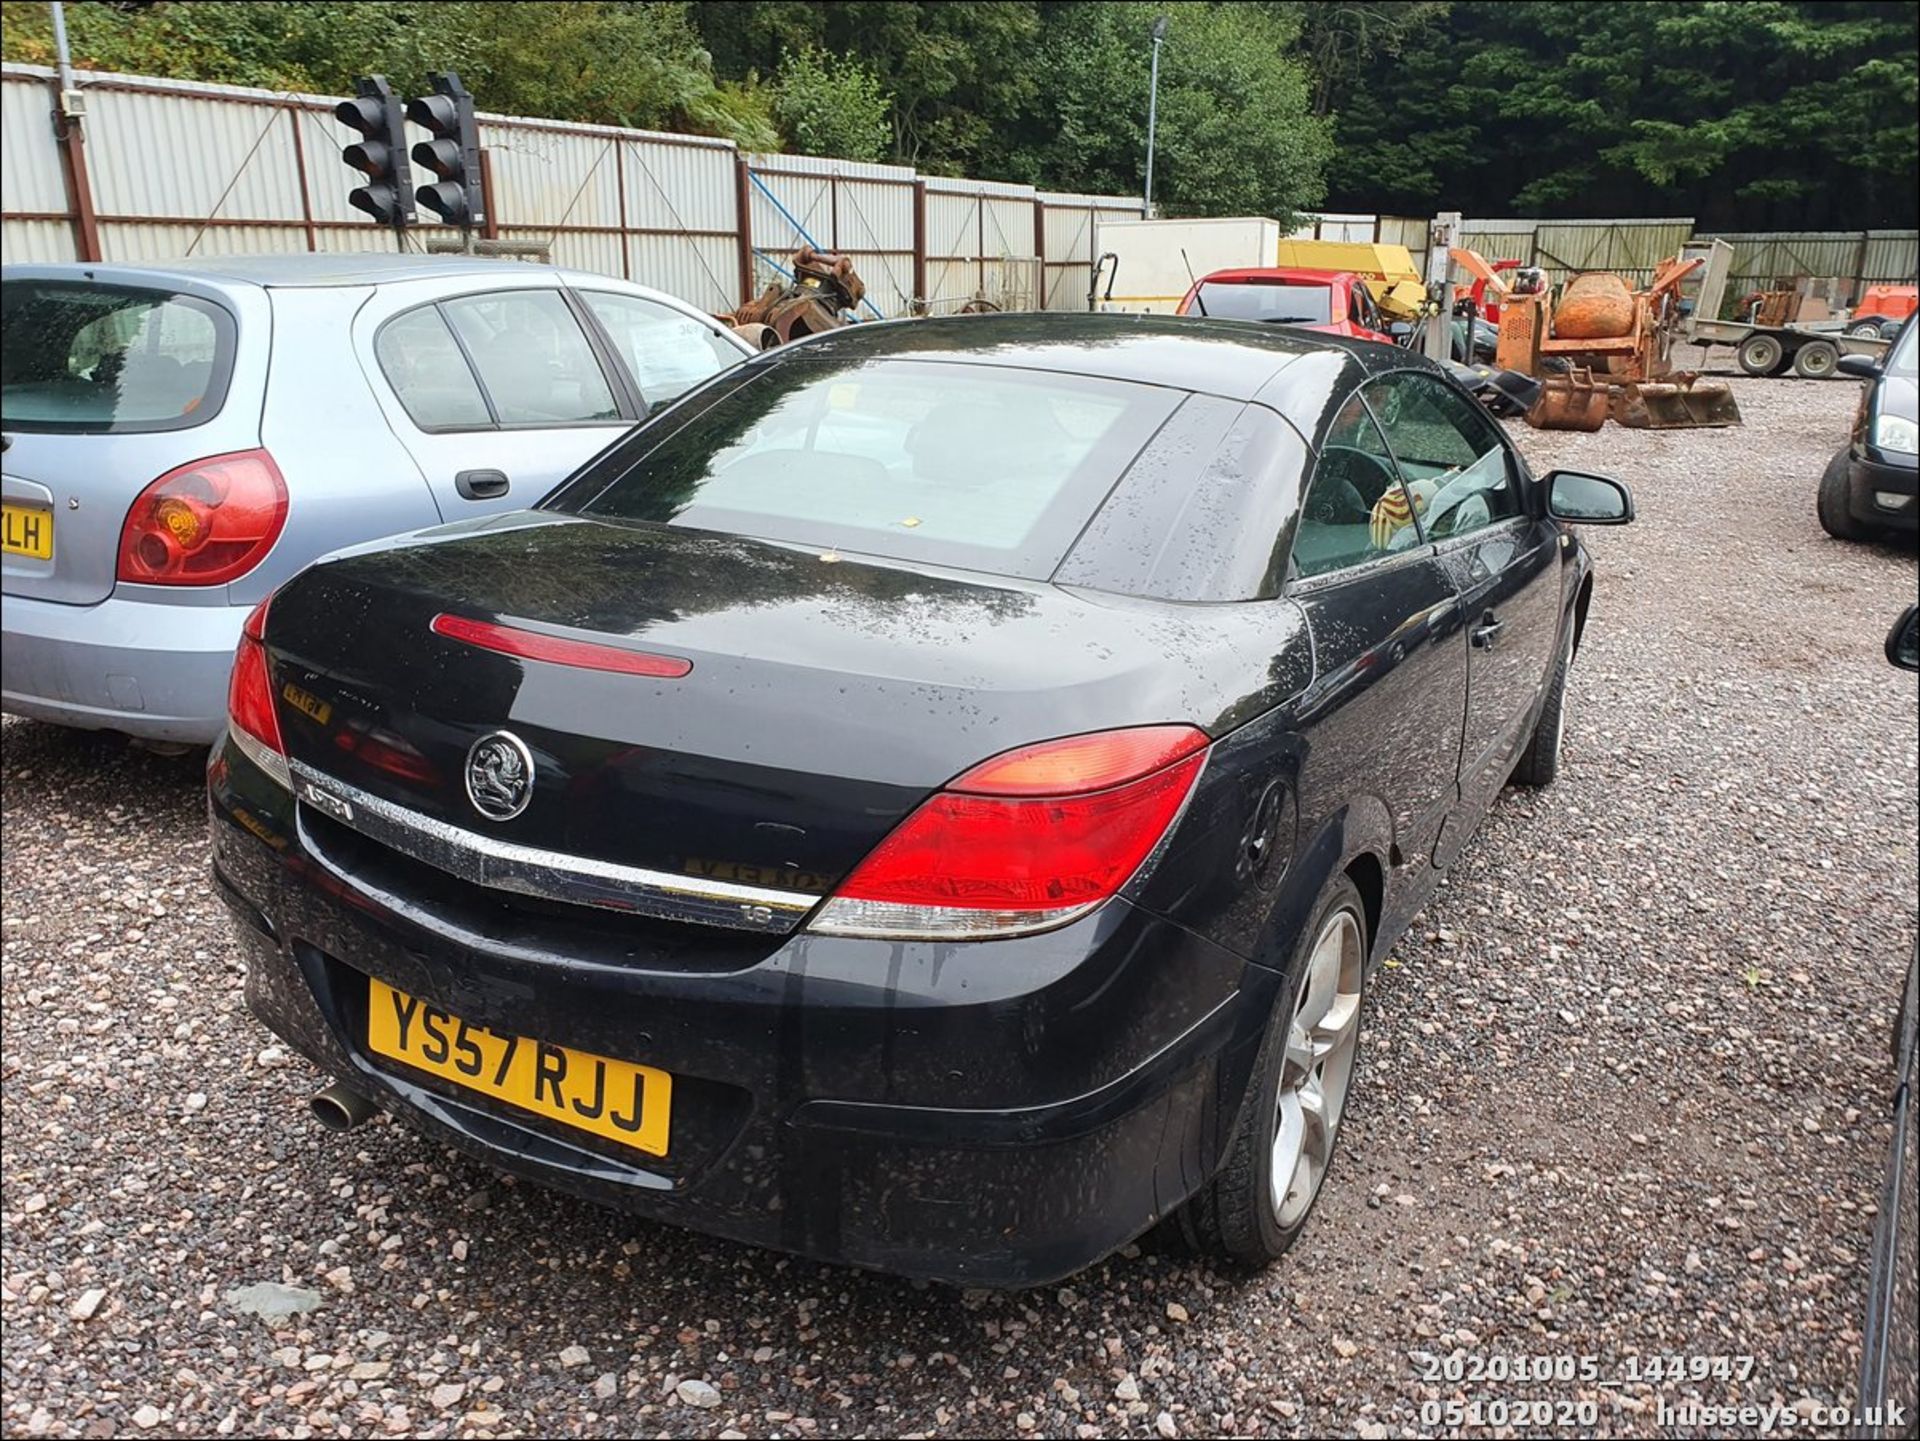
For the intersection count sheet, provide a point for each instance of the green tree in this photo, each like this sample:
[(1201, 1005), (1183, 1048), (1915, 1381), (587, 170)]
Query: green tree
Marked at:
[(1235, 134), (831, 107), (1344, 39), (614, 63), (958, 76), (1766, 114)]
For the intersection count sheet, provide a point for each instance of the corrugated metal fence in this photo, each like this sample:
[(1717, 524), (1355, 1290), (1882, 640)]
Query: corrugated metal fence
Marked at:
[(172, 168), (1862, 257), (1633, 248), (1563, 248)]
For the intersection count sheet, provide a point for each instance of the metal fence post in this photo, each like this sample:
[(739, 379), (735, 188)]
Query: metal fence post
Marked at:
[(73, 167), (743, 224), (300, 174), (1040, 294), (620, 191), (490, 222), (918, 301)]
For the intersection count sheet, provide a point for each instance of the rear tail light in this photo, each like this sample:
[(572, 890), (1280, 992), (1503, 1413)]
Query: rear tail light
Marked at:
[(1024, 842), (206, 523), (250, 716)]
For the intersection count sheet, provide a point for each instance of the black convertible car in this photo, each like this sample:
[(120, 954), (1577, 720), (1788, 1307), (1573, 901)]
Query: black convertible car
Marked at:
[(930, 798)]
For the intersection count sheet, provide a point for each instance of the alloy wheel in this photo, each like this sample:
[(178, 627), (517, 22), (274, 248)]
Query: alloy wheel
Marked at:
[(1323, 1037)]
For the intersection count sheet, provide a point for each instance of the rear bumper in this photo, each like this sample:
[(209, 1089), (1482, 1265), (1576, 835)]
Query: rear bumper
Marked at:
[(152, 669), (1873, 480), (999, 1114)]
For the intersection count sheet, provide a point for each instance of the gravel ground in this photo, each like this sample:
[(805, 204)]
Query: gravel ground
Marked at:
[(1622, 1095)]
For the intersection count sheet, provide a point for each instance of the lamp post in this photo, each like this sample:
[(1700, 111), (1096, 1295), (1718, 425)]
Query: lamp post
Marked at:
[(1153, 113)]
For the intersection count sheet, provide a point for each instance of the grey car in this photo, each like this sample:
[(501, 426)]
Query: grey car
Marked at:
[(182, 437)]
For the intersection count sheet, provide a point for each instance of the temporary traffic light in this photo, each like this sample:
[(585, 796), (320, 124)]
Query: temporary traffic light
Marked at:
[(381, 152), (453, 154)]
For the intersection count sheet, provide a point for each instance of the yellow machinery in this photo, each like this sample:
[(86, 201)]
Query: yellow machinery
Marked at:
[(1389, 270)]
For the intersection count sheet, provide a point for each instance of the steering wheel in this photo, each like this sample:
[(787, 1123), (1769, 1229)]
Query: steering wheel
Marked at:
[(1353, 464)]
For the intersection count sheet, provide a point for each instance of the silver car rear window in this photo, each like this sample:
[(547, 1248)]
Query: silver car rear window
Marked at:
[(110, 359)]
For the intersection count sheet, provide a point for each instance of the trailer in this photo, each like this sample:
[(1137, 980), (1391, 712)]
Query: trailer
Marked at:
[(1810, 349)]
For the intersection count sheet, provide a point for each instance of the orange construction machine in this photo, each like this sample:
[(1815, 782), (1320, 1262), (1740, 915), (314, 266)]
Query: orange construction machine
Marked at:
[(1604, 350)]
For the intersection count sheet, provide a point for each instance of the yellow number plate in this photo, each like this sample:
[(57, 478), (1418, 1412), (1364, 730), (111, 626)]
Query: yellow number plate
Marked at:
[(309, 704), (27, 530), (615, 1099)]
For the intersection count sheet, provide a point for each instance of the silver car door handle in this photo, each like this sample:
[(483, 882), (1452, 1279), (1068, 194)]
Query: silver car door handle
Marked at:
[(481, 484), (1485, 633)]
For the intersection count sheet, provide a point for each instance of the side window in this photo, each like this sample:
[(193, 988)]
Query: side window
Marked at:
[(668, 353), (532, 357), (1356, 509), (1449, 452), (423, 364)]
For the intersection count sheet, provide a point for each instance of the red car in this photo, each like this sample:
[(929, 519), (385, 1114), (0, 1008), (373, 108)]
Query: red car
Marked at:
[(1336, 301)]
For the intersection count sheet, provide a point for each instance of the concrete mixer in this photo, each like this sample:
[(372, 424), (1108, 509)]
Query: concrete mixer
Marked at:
[(1605, 351)]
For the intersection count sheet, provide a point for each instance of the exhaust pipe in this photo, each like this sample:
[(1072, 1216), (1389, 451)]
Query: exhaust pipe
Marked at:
[(340, 1108)]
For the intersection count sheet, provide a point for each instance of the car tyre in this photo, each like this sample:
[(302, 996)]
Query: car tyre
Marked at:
[(1835, 502), (1540, 761), (1760, 354), (1250, 1213)]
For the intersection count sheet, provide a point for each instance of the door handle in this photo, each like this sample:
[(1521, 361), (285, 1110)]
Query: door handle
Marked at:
[(1489, 628), (480, 484)]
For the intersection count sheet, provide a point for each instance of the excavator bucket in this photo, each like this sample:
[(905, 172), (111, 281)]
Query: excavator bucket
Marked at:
[(1680, 402), (1570, 402)]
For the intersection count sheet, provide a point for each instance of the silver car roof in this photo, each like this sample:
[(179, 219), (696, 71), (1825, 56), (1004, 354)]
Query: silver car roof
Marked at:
[(371, 268)]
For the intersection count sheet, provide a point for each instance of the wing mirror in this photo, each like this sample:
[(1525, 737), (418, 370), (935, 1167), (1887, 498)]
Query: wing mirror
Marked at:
[(1864, 366), (1903, 641), (1588, 499)]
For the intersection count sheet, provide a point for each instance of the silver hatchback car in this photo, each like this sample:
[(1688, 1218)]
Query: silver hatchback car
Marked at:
[(181, 438)]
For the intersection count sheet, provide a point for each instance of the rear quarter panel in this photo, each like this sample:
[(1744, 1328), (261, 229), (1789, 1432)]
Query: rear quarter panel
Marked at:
[(349, 478)]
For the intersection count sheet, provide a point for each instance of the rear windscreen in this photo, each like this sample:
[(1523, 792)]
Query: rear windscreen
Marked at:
[(1276, 302), (975, 466), (108, 358)]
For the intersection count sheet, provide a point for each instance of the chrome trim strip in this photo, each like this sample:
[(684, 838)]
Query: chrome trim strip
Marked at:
[(553, 875), (892, 921)]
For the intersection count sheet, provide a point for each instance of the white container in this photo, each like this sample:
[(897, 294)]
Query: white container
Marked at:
[(1160, 259)]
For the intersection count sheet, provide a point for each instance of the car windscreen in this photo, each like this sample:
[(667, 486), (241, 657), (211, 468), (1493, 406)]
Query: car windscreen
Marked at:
[(975, 466), (110, 358), (1276, 302)]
